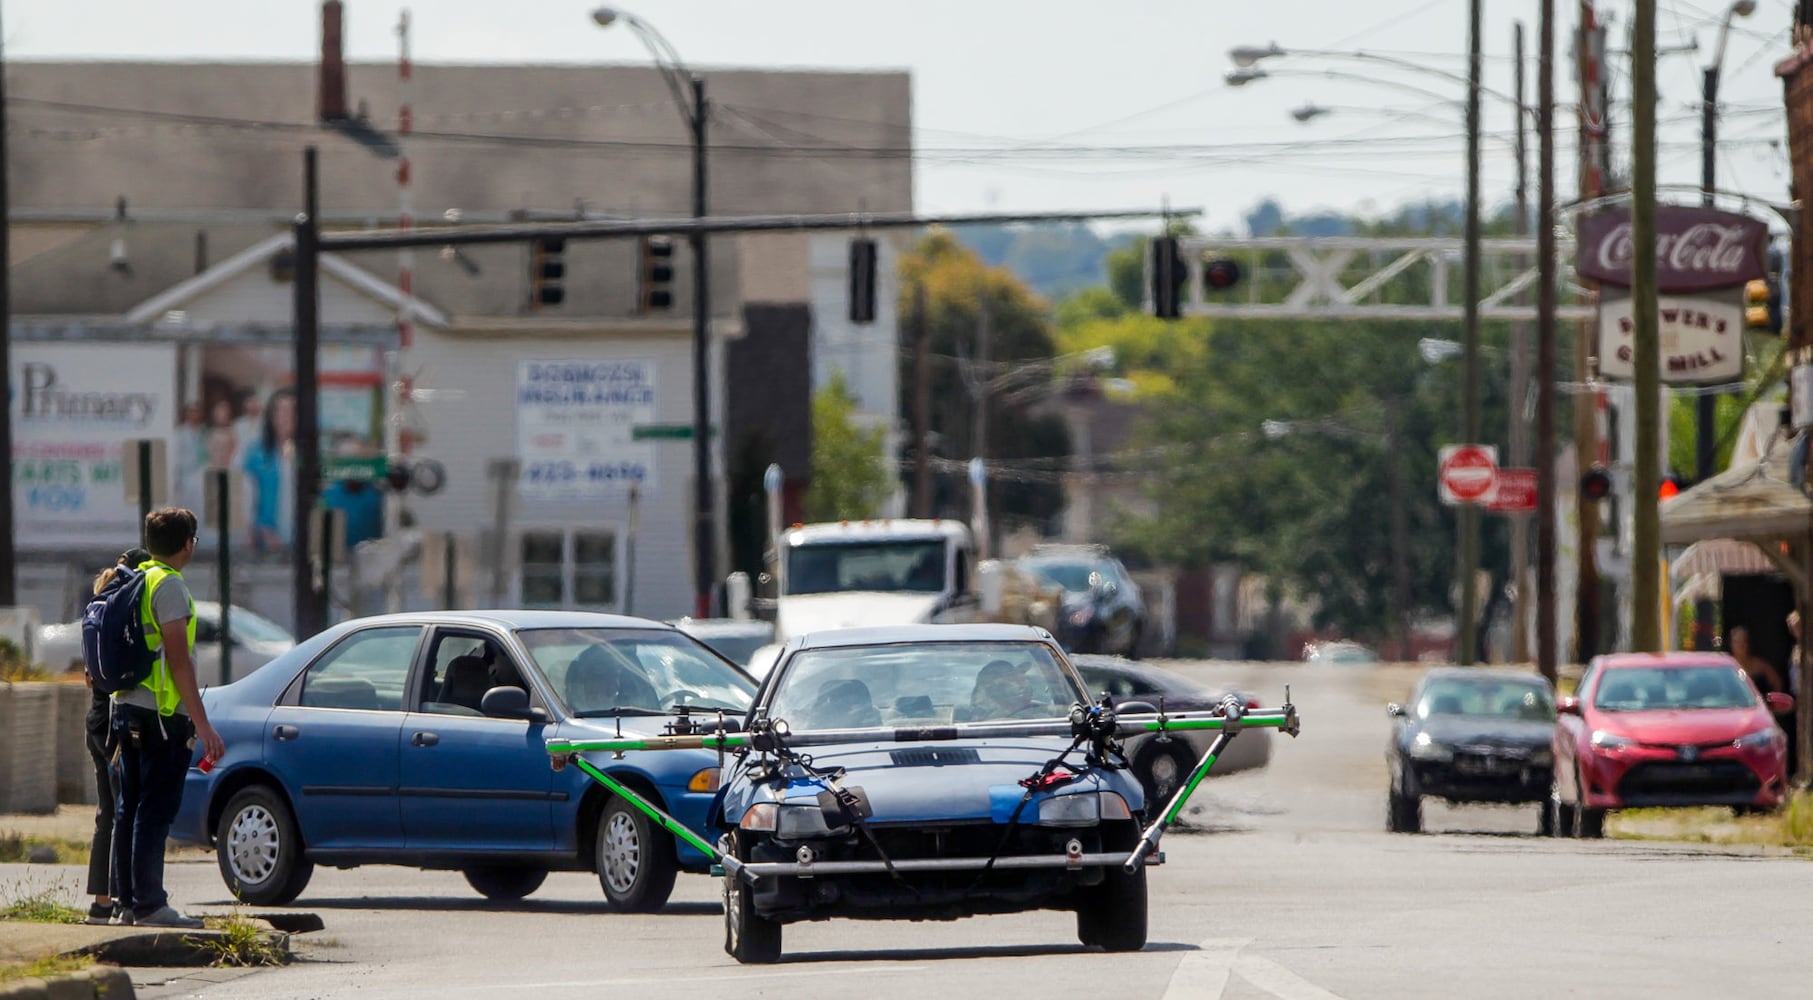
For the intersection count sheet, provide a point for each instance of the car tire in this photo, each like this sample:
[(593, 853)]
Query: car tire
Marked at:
[(1403, 812), (1561, 816), (1589, 824), (634, 858), (1162, 769), (749, 937), (505, 883), (1113, 914), (259, 848)]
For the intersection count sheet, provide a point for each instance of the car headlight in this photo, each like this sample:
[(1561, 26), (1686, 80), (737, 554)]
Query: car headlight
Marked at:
[(1083, 615), (1082, 809), (1543, 758), (802, 822), (760, 816), (1426, 748), (1765, 737), (1606, 740)]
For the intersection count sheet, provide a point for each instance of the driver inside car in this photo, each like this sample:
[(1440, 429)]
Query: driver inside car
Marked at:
[(596, 680), (1003, 691)]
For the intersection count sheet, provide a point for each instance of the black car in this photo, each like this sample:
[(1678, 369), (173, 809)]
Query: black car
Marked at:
[(1471, 734), (1102, 608)]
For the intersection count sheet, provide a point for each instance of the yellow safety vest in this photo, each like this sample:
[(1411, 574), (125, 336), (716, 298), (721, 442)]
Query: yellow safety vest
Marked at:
[(161, 685)]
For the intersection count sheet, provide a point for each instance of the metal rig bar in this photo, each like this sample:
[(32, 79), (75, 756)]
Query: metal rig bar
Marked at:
[(757, 869), (1148, 841), (672, 825)]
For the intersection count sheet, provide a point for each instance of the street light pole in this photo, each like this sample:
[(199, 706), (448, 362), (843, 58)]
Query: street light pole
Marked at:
[(1706, 415), (1468, 514), (689, 97)]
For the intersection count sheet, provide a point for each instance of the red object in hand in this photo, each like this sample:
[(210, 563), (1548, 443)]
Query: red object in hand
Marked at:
[(206, 765)]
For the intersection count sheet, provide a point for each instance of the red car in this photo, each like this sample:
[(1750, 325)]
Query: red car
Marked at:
[(1665, 729)]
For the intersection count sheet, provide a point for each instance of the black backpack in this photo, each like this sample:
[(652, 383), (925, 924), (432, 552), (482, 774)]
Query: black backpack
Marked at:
[(113, 634)]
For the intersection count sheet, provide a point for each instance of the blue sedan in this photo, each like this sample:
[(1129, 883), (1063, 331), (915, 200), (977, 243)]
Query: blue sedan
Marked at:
[(419, 739)]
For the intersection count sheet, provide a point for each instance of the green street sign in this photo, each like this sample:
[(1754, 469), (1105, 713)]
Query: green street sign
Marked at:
[(664, 432), (357, 468)]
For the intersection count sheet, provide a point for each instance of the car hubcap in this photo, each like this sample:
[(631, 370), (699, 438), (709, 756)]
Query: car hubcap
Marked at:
[(252, 844), (1164, 777), (733, 896), (622, 853)]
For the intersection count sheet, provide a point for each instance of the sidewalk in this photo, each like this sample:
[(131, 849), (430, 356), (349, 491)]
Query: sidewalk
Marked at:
[(69, 822)]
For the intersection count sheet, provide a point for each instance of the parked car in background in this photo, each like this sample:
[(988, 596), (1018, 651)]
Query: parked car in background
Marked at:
[(1339, 651), (1162, 767), (420, 740), (1471, 734), (1666, 729), (736, 638), (937, 808), (256, 641), (1102, 608)]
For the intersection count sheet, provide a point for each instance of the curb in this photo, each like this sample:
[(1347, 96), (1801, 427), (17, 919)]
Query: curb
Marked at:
[(172, 949), (103, 982)]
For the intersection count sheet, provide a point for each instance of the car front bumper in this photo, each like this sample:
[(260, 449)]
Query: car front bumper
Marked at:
[(1641, 776)]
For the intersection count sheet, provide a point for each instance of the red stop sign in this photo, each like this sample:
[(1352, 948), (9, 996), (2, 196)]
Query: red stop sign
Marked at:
[(1468, 473)]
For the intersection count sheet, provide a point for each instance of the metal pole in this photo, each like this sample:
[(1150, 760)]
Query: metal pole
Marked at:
[(449, 571), (1645, 571), (1400, 532), (922, 407), (1545, 345), (1588, 49), (309, 612), (1707, 406), (144, 488), (221, 481), (1468, 514), (629, 550), (1520, 388), (705, 572), (9, 561)]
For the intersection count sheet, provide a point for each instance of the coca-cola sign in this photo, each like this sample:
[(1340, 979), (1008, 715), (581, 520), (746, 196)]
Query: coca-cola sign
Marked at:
[(1696, 248)]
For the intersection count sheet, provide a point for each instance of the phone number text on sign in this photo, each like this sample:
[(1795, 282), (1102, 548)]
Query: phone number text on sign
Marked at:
[(575, 424)]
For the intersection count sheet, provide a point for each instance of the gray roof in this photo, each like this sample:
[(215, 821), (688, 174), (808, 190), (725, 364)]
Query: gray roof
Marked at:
[(885, 635)]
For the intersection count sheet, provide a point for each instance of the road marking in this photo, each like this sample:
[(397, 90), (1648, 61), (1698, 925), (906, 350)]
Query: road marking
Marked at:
[(1204, 974), (739, 975)]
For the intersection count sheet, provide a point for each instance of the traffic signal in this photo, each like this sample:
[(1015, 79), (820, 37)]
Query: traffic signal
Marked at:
[(1671, 487), (1220, 274), (1166, 266), (655, 276), (862, 280), (397, 476), (1596, 484), (547, 271), (1757, 295)]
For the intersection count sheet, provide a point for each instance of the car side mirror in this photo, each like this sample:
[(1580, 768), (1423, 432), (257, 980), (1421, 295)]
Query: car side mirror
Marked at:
[(1779, 702), (1569, 705), (510, 703), (1394, 710), (1136, 708)]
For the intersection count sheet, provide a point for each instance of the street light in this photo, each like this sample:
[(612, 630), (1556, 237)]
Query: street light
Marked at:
[(695, 111), (1706, 413)]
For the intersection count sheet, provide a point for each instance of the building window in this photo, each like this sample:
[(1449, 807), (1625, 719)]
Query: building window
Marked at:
[(569, 569)]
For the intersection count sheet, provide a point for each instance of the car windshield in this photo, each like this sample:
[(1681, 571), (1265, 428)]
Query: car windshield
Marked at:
[(737, 649), (609, 671), (257, 628), (1074, 577), (834, 567), (1498, 699), (1640, 689), (923, 683)]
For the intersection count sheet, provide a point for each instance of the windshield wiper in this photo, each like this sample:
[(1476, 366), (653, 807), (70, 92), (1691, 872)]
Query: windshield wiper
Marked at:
[(726, 709), (605, 713)]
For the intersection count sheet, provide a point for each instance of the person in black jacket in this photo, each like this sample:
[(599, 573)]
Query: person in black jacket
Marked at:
[(99, 738)]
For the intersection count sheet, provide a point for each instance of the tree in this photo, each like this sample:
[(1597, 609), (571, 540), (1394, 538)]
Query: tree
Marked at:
[(990, 349), (850, 475)]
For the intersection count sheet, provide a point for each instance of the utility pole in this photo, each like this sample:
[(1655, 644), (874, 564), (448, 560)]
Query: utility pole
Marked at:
[(1645, 556), (1545, 343), (310, 612), (1588, 51), (1467, 515), (706, 569), (1400, 530), (922, 406), (9, 562), (1520, 386)]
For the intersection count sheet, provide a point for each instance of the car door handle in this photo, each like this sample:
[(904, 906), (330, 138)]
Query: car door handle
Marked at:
[(424, 739), (284, 733)]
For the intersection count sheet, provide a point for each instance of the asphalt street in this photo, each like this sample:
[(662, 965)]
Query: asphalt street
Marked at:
[(1286, 887)]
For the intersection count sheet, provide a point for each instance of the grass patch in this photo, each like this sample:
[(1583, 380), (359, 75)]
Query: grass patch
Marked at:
[(1791, 826), (44, 907), (242, 943), (17, 848), (44, 968)]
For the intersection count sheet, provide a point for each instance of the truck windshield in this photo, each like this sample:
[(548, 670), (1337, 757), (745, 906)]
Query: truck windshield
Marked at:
[(828, 567)]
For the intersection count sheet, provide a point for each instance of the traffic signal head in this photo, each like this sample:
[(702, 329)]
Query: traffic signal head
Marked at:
[(1220, 274), (1671, 486), (862, 280), (1596, 484), (397, 476), (547, 272), (655, 274), (1757, 295), (1166, 267)]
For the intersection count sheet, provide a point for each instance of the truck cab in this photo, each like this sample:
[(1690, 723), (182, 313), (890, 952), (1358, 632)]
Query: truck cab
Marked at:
[(882, 572)]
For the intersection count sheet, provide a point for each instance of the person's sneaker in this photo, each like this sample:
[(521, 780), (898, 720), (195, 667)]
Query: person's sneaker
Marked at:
[(166, 916), (99, 913), (122, 917)]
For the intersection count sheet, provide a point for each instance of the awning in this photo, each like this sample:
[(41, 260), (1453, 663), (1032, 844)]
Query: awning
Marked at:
[(1750, 502), (1698, 572)]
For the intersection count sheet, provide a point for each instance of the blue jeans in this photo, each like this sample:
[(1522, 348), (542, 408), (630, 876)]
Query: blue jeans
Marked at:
[(153, 759)]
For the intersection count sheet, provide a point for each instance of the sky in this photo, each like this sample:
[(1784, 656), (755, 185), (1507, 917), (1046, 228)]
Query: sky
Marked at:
[(1061, 105)]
